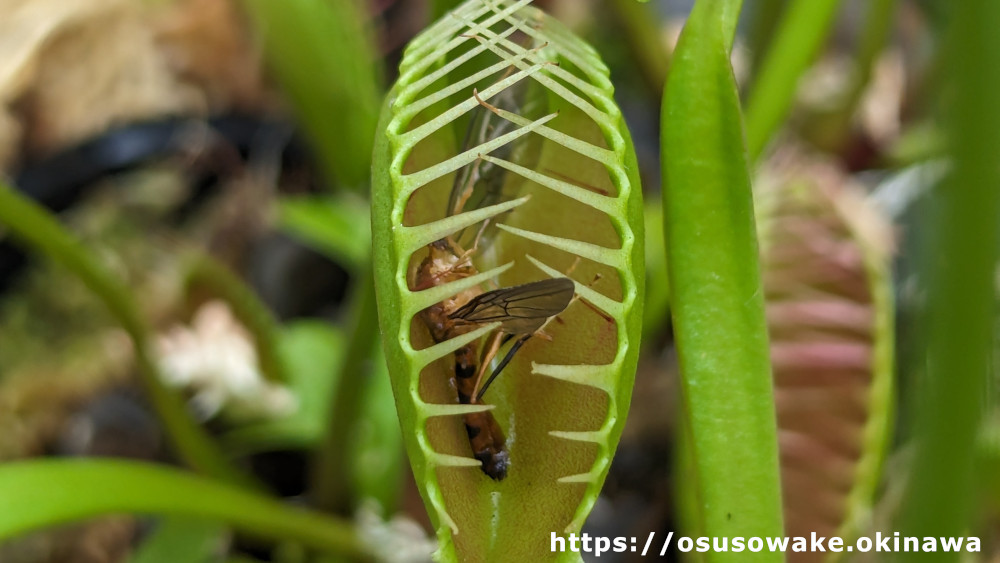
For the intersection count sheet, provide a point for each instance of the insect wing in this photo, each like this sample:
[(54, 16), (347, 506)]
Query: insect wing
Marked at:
[(480, 183), (521, 309)]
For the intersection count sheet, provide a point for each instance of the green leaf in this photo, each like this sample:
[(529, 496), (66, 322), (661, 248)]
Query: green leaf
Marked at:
[(40, 230), (311, 350), (377, 454), (53, 492), (190, 540), (802, 31), (761, 24), (358, 435), (960, 268), (337, 226), (562, 403), (715, 290), (324, 57)]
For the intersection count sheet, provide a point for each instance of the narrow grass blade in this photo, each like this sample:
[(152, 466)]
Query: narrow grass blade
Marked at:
[(40, 230), (336, 226), (206, 273), (802, 31), (325, 59)]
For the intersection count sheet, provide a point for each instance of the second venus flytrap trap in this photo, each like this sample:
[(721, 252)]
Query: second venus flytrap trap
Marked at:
[(507, 227)]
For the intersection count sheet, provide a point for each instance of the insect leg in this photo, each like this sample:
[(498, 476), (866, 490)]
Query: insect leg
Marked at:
[(484, 103), (489, 352), (503, 363), (464, 258), (576, 296), (572, 267), (577, 183), (467, 188), (597, 278)]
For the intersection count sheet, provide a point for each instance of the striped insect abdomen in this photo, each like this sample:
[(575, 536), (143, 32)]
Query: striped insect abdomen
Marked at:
[(485, 435)]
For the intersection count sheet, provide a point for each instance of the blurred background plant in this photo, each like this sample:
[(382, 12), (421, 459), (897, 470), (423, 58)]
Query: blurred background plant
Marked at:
[(202, 168)]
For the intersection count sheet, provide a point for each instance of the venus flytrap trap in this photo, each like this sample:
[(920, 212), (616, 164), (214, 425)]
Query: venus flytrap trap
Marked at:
[(825, 253), (473, 241)]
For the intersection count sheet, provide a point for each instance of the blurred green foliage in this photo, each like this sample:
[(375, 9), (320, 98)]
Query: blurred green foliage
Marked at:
[(323, 54), (960, 263)]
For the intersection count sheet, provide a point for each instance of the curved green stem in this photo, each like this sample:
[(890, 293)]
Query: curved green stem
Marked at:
[(52, 492), (40, 230), (207, 272), (333, 467)]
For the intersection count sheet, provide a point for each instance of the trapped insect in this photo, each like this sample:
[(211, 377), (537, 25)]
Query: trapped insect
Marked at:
[(520, 309), (480, 183)]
